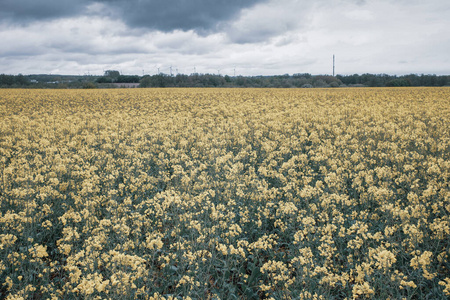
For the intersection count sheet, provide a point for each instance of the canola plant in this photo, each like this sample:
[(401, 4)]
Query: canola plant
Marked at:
[(225, 193)]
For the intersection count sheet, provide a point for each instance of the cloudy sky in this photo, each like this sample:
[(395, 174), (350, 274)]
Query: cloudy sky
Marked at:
[(251, 37)]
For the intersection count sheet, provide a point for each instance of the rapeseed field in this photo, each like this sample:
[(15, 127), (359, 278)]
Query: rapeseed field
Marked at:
[(225, 194)]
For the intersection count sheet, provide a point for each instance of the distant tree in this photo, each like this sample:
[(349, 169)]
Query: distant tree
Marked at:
[(334, 84), (21, 80), (302, 75), (145, 82), (111, 76), (6, 80), (13, 81), (89, 85), (127, 79), (241, 81), (300, 81), (112, 73), (398, 82), (104, 79), (214, 80), (320, 83)]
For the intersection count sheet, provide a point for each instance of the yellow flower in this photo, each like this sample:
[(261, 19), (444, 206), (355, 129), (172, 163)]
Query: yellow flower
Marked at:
[(385, 259), (7, 240), (39, 251), (362, 289), (446, 284)]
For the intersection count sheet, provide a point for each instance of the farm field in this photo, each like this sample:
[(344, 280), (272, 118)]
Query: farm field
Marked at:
[(225, 193)]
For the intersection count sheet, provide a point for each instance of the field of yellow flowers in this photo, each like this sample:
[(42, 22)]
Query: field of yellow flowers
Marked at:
[(225, 194)]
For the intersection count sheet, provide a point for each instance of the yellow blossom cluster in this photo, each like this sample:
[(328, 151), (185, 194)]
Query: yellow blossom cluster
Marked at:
[(225, 193)]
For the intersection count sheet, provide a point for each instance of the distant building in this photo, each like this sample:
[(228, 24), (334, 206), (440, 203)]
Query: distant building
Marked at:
[(126, 85)]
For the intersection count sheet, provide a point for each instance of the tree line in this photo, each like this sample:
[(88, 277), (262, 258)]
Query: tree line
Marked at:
[(300, 80), (296, 80)]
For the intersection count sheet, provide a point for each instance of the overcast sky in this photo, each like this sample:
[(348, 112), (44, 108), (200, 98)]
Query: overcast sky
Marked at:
[(251, 37)]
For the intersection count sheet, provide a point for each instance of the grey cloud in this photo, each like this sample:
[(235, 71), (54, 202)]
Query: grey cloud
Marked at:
[(24, 11), (163, 15), (200, 15), (269, 20), (254, 35)]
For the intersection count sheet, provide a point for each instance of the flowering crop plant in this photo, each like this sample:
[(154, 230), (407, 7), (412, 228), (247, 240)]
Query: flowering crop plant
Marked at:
[(225, 194)]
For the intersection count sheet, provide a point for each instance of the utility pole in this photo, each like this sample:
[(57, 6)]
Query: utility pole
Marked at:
[(333, 65)]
